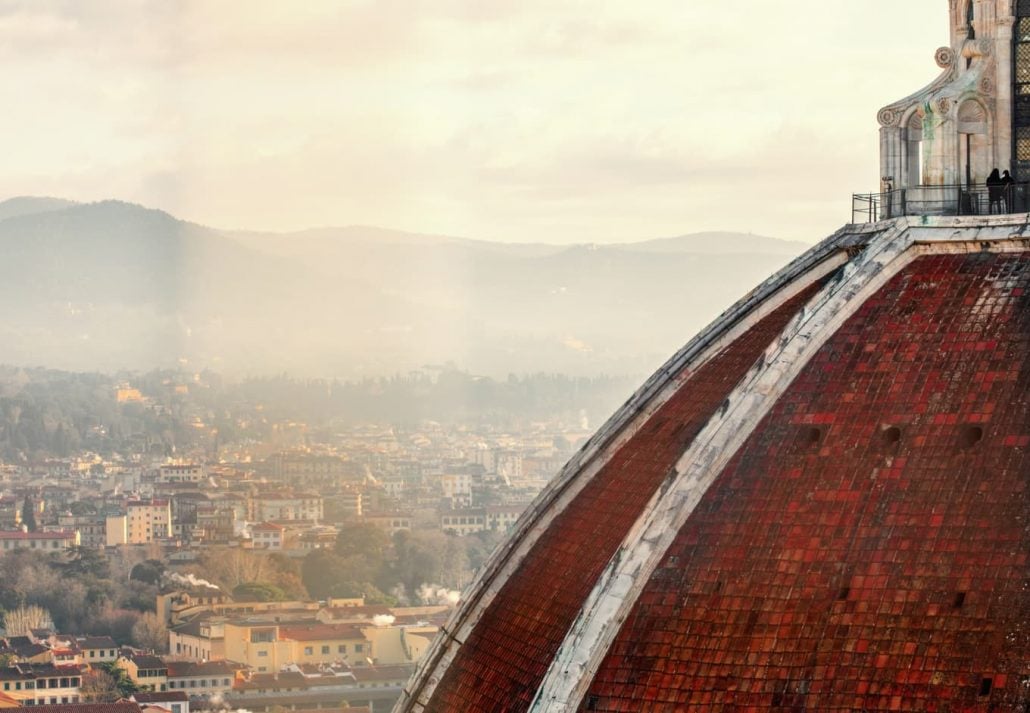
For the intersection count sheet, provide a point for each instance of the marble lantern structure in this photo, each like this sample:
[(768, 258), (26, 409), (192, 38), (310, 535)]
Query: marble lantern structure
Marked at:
[(959, 128), (822, 501)]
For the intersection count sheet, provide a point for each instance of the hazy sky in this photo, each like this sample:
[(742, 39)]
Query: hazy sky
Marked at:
[(535, 120)]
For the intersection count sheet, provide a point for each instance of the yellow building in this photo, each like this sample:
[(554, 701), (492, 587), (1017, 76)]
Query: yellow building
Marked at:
[(148, 672), (127, 394), (148, 520), (268, 647), (41, 684), (400, 645)]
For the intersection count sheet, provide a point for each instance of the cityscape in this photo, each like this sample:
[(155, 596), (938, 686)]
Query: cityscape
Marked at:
[(179, 542), (515, 356)]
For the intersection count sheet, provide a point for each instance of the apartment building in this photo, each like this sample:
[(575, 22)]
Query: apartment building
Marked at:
[(148, 521), (41, 684), (50, 541), (268, 647)]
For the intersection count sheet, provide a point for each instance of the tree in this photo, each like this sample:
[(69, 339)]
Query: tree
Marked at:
[(362, 539), (87, 562), (258, 592), (99, 686), (328, 575), (149, 572), (231, 567), (21, 621), (150, 632), (82, 508), (28, 515), (123, 684)]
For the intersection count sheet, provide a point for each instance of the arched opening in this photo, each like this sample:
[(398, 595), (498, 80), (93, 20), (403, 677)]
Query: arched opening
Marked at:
[(974, 144), (914, 144)]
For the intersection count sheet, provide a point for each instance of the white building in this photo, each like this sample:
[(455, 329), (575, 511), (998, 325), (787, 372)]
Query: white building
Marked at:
[(57, 540), (288, 506), (182, 474), (268, 536)]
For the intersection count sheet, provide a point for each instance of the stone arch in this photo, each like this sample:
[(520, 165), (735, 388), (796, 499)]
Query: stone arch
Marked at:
[(912, 124), (972, 117), (967, 18), (974, 132)]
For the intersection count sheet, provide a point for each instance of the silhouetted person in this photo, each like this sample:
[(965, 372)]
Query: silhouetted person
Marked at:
[(1009, 190), (995, 191)]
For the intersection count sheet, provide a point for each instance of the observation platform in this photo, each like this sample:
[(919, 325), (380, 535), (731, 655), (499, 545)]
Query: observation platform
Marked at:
[(968, 200)]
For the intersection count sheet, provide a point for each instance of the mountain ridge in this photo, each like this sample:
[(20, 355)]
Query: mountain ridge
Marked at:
[(110, 285)]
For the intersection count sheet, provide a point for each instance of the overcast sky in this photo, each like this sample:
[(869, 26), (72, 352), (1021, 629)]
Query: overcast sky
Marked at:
[(530, 120)]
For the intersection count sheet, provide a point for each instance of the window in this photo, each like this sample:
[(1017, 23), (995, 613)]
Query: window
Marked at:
[(341, 649), (308, 650), (262, 653), (325, 650), (358, 648)]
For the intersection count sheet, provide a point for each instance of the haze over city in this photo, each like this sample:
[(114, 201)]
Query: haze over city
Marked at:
[(514, 356)]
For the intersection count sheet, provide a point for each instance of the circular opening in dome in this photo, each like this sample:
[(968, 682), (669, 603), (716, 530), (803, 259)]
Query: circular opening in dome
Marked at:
[(892, 435), (970, 436), (811, 436)]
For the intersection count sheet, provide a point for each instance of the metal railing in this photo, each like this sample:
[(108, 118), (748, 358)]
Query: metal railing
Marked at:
[(940, 200)]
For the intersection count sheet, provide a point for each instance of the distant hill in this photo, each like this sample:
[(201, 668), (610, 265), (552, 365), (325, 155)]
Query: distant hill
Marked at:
[(722, 244), (113, 285), (29, 205)]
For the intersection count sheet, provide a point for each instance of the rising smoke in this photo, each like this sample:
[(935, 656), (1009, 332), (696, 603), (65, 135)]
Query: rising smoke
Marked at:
[(435, 594), (189, 580)]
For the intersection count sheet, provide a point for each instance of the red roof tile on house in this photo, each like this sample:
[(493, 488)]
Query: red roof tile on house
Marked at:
[(18, 535), (121, 707), (161, 697), (320, 632)]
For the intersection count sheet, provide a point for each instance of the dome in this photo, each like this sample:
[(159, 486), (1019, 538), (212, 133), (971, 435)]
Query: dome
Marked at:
[(822, 502)]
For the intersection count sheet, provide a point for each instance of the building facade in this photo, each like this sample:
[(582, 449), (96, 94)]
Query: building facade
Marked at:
[(46, 541)]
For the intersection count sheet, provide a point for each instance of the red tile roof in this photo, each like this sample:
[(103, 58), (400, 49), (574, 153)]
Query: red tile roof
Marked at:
[(189, 669), (51, 535), (503, 662), (866, 547), (858, 571), (121, 707), (320, 632), (162, 697)]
